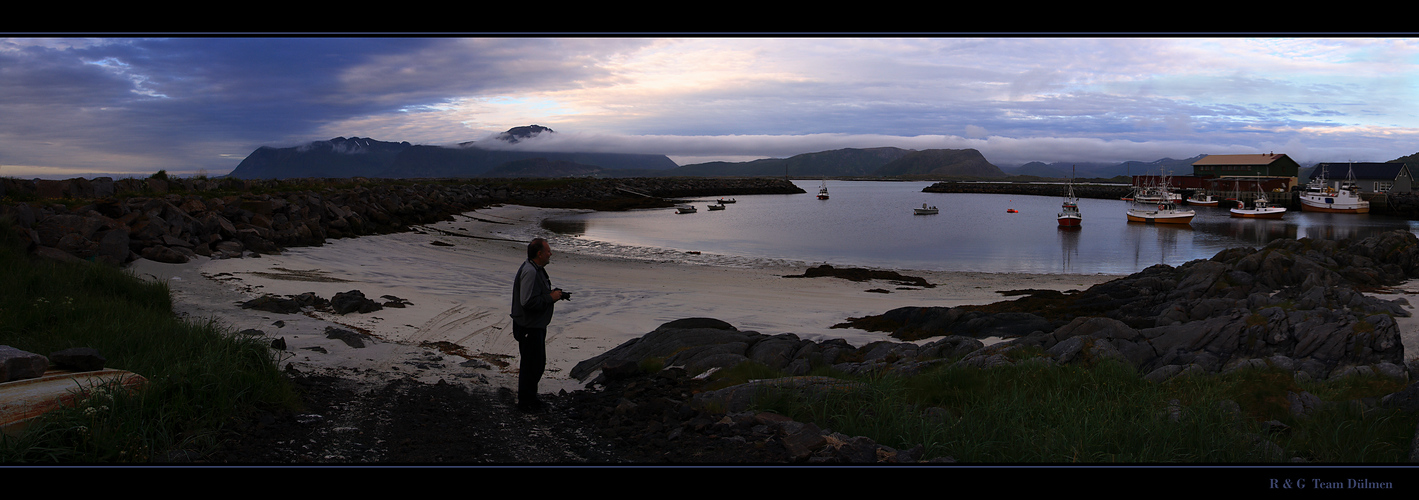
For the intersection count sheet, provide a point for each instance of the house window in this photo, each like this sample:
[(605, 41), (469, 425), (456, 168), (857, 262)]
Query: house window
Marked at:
[(1383, 186)]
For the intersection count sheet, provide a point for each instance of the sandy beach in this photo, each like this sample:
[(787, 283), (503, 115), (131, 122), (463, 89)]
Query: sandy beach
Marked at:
[(456, 277)]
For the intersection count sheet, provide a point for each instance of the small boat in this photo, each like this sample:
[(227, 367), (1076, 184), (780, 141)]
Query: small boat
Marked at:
[(1011, 211), (823, 191), (1203, 201), (1342, 198), (925, 210), (1261, 208), (717, 207), (1156, 204), (1069, 215), (684, 209), (723, 201)]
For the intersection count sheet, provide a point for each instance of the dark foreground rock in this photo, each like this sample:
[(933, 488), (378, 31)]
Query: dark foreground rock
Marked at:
[(1297, 304)]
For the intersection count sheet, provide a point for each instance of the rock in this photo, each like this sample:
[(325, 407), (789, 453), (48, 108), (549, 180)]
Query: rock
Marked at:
[(350, 338), (79, 359), (16, 364), (353, 301)]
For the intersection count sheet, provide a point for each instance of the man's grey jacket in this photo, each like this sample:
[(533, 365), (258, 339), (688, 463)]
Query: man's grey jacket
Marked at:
[(531, 296)]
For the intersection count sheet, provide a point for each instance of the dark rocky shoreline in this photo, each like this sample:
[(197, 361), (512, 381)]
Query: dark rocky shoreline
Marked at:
[(173, 221)]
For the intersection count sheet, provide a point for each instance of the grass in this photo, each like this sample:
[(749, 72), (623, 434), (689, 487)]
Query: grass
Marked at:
[(200, 375), (1107, 413)]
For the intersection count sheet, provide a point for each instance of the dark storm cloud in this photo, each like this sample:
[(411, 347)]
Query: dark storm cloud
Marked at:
[(185, 102)]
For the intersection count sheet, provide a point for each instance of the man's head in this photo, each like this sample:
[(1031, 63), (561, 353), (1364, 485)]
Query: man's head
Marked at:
[(539, 251)]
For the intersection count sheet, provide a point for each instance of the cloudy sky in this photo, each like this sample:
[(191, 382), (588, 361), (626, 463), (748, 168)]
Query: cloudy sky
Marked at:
[(198, 105)]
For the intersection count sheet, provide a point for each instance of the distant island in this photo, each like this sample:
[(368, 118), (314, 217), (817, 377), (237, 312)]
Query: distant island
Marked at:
[(365, 157)]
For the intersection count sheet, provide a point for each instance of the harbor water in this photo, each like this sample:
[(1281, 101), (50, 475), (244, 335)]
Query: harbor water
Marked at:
[(871, 224)]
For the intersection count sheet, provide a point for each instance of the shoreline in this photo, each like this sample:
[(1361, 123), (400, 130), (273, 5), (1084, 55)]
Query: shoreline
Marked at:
[(456, 276)]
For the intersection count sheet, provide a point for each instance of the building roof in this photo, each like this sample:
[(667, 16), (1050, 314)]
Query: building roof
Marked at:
[(1363, 170), (1258, 159)]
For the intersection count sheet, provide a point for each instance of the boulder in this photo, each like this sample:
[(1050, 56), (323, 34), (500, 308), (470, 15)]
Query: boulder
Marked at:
[(16, 364), (79, 359)]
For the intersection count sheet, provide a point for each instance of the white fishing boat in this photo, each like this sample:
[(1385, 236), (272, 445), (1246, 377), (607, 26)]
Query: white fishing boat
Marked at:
[(719, 206), (823, 191), (1339, 198), (1158, 206), (684, 209), (1261, 207), (1205, 200), (925, 210)]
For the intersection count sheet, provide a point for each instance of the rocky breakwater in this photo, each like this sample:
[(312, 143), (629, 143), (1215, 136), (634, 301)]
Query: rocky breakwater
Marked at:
[(175, 220), (1299, 305), (1099, 191)]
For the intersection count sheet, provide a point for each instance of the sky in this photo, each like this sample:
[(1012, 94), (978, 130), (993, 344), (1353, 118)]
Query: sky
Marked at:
[(198, 105)]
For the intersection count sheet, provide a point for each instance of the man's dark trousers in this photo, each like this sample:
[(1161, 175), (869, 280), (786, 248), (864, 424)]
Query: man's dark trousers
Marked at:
[(532, 345)]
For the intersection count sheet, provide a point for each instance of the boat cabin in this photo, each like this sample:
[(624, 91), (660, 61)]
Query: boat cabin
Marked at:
[(1370, 177)]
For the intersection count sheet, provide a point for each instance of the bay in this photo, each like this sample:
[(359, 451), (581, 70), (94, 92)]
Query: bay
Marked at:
[(871, 224)]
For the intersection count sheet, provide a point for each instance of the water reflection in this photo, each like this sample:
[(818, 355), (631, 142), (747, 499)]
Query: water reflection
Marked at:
[(566, 227), (1069, 246)]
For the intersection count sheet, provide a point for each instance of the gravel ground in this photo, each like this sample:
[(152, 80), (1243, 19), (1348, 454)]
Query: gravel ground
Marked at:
[(638, 421)]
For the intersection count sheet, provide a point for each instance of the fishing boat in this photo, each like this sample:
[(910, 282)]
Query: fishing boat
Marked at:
[(1261, 208), (1157, 205), (823, 191), (723, 201), (1206, 200), (717, 206), (684, 209), (1069, 215), (1341, 198), (925, 210), (1011, 211)]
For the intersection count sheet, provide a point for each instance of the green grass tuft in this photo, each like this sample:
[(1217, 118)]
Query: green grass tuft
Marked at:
[(200, 374)]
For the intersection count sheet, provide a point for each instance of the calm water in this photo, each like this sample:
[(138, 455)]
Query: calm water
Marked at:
[(871, 224)]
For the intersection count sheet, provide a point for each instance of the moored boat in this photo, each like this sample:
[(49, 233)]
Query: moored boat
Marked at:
[(1261, 208), (1162, 213), (684, 209), (1340, 198), (925, 210), (823, 191), (719, 206), (1206, 200), (1069, 215), (723, 201), (1156, 204)]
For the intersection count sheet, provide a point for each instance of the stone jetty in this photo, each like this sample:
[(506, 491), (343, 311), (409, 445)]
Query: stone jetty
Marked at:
[(174, 220)]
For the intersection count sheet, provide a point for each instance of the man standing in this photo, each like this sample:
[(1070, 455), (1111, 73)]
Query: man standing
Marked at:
[(532, 299)]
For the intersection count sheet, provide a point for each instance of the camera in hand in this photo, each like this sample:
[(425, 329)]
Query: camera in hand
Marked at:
[(565, 294)]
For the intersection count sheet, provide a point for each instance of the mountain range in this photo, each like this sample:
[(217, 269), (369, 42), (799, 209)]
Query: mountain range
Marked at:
[(365, 157)]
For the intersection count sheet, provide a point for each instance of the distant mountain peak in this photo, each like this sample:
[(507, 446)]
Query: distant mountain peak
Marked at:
[(519, 133)]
